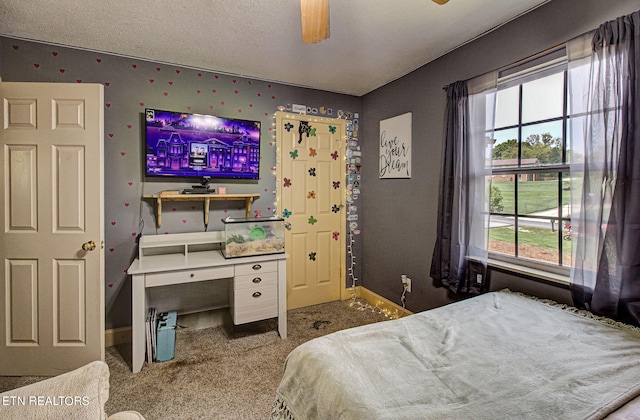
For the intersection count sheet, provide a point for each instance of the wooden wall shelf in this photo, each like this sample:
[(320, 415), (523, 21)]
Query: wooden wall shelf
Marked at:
[(205, 198)]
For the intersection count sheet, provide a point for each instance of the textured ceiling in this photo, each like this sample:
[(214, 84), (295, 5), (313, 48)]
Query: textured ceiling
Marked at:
[(372, 42)]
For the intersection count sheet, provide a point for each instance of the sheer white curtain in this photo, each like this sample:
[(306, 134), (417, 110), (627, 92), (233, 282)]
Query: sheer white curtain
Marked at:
[(605, 168), (463, 207), (482, 101), (593, 162)]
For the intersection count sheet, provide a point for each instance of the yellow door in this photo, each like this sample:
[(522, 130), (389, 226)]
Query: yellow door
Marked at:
[(51, 207), (311, 177)]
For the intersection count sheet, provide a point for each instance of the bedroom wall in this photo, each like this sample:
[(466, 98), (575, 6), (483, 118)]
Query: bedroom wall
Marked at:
[(130, 86), (399, 215)]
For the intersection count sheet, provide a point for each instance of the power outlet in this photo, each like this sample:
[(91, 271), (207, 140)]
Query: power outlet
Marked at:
[(406, 283)]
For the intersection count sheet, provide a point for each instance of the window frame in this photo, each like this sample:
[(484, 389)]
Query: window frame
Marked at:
[(533, 68)]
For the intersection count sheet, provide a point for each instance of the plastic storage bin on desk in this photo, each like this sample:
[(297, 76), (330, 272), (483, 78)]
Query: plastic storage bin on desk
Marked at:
[(253, 236)]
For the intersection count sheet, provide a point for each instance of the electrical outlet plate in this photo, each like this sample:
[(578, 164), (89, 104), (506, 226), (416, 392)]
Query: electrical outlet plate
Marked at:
[(406, 282)]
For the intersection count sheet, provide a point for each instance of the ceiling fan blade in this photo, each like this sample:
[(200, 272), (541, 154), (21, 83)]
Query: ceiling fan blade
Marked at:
[(314, 16), (440, 2)]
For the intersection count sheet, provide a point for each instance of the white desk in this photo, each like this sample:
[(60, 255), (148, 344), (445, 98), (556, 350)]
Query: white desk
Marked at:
[(258, 290)]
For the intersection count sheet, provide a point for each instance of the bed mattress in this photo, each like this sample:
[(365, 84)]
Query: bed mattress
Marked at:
[(499, 355)]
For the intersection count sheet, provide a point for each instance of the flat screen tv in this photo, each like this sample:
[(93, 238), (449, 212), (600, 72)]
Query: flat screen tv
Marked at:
[(179, 144)]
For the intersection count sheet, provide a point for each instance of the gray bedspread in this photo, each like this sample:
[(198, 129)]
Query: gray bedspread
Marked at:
[(495, 356)]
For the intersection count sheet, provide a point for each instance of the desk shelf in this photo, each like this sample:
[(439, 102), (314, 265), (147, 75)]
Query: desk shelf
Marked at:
[(205, 198), (181, 244)]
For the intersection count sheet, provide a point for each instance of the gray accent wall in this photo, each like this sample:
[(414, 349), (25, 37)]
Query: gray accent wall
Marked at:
[(399, 215), (130, 86)]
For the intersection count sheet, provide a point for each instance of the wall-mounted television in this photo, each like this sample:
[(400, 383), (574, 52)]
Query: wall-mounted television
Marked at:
[(179, 144)]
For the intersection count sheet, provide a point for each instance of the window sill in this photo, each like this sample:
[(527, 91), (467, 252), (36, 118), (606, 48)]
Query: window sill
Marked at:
[(529, 272)]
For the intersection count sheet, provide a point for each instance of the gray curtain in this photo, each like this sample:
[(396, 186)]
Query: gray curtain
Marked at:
[(448, 265), (460, 252), (605, 152)]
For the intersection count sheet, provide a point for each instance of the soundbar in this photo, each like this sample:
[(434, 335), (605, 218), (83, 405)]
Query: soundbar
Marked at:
[(198, 191)]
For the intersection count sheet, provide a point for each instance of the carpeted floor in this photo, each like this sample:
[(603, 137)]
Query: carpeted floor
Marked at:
[(218, 373)]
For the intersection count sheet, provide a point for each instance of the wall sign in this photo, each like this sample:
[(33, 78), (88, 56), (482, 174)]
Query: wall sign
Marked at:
[(395, 147), (300, 109)]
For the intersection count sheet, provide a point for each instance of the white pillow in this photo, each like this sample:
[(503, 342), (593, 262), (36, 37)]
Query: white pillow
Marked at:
[(79, 394)]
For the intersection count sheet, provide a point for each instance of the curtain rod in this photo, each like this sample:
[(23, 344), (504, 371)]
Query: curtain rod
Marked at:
[(562, 44)]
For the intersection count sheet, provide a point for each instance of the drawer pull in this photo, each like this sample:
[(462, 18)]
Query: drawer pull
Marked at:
[(256, 267), (257, 280), (257, 294), (192, 275)]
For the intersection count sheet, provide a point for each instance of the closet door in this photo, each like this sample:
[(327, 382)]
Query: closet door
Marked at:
[(311, 195)]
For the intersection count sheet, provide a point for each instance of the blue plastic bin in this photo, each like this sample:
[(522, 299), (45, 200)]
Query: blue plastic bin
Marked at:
[(166, 337)]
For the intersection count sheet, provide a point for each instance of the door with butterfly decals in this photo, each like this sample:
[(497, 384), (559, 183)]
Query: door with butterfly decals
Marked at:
[(310, 176)]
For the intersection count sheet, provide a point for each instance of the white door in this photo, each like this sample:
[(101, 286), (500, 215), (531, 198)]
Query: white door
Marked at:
[(51, 206), (311, 177)]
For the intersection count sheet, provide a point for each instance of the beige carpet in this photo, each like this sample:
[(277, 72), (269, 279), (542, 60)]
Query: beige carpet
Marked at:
[(218, 373)]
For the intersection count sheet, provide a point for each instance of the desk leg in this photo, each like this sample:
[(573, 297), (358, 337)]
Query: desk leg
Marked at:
[(138, 316), (282, 298)]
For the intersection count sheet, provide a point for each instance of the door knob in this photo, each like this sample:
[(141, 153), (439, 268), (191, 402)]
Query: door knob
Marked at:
[(287, 225), (89, 246)]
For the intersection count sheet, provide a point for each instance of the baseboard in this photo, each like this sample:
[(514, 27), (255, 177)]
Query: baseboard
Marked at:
[(194, 320), (122, 335), (117, 336), (376, 300)]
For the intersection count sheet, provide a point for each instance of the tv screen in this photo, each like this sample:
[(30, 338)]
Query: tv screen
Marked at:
[(179, 144)]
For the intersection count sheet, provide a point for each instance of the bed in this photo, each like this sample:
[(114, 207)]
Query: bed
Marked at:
[(498, 355)]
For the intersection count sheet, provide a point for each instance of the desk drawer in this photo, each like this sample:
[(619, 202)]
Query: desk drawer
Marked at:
[(256, 268), (254, 304), (255, 280), (188, 276)]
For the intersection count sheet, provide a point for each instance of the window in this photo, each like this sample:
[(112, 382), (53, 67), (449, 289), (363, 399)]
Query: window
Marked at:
[(529, 205)]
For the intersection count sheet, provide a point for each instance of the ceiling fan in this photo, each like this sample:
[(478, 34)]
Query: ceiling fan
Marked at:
[(314, 16)]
